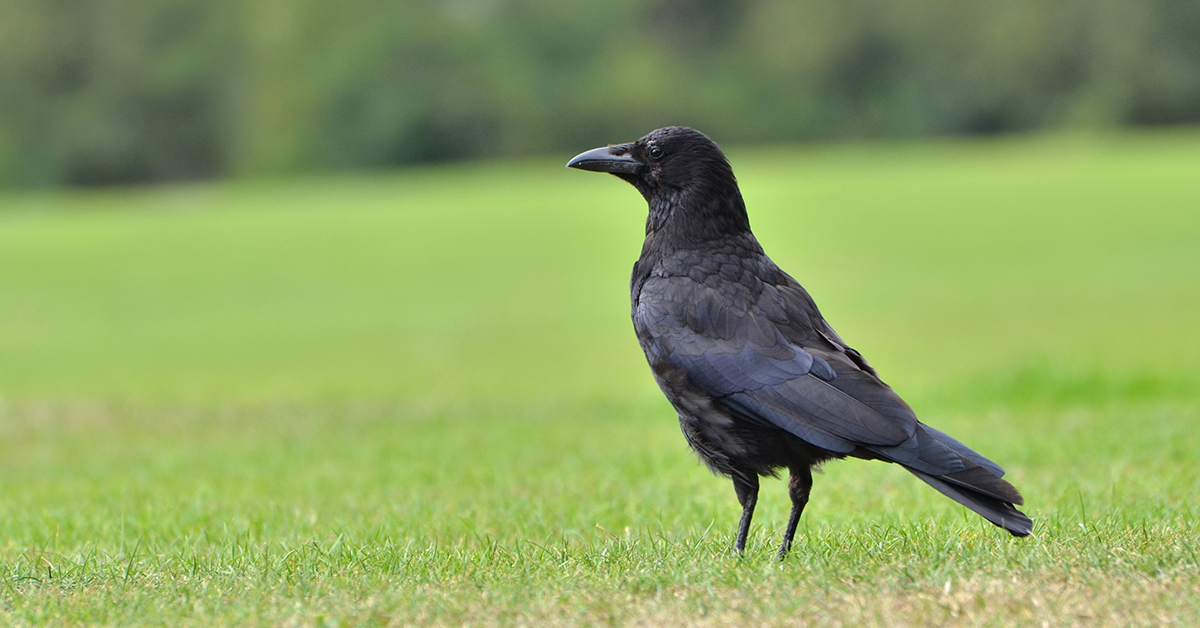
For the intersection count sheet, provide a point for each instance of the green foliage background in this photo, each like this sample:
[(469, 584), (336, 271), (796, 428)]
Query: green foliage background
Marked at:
[(117, 91)]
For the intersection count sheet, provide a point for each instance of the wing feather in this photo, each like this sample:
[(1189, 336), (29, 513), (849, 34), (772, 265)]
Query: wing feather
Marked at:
[(744, 361)]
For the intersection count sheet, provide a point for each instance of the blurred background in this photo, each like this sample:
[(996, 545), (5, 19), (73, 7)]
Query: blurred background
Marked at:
[(367, 200), (96, 92)]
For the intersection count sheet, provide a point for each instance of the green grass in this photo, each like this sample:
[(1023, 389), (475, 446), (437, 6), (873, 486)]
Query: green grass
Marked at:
[(415, 398)]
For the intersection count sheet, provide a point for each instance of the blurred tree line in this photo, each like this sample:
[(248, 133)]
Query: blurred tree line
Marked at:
[(123, 91)]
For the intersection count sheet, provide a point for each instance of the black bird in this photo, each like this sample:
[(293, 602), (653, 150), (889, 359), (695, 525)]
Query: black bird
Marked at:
[(760, 381)]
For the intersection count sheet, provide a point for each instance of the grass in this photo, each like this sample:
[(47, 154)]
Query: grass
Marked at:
[(414, 398)]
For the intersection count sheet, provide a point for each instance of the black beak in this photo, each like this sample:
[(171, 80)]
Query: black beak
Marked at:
[(604, 160)]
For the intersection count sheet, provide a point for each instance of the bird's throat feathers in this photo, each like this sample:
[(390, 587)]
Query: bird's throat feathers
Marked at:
[(681, 218)]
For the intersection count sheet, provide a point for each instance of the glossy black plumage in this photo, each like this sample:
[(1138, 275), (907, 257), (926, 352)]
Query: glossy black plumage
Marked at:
[(760, 381)]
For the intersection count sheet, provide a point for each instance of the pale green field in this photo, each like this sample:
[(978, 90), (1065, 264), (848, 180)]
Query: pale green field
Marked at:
[(416, 399)]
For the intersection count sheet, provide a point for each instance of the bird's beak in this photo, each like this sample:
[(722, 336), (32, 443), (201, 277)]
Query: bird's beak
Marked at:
[(612, 159)]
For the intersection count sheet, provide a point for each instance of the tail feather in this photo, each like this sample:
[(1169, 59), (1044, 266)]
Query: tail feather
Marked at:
[(961, 474), (980, 480), (1001, 513), (963, 450)]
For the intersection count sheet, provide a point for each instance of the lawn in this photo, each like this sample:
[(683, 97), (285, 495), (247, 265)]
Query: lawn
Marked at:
[(414, 398)]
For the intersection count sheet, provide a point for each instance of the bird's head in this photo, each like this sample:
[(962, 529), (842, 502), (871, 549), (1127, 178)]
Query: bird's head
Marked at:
[(683, 175)]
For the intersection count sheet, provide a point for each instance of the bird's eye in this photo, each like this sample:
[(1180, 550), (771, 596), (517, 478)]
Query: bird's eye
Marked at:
[(656, 153)]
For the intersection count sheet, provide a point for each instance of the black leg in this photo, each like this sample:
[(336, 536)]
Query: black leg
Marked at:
[(799, 486), (746, 486)]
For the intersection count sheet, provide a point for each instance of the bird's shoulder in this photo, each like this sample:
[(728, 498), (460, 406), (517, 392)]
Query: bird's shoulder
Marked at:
[(729, 291)]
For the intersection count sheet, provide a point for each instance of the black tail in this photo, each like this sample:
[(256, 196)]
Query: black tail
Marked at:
[(999, 511), (962, 475)]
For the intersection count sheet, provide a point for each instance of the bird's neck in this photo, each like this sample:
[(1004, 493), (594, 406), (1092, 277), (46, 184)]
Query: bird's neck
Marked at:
[(683, 219)]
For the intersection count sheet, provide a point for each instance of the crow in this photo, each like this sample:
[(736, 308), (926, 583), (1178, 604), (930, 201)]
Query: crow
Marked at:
[(758, 378)]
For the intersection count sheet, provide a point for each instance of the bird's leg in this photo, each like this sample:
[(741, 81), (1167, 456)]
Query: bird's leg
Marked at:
[(799, 486), (746, 486)]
